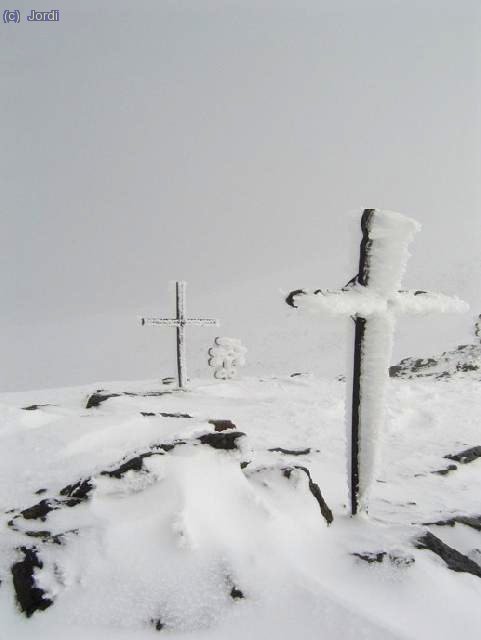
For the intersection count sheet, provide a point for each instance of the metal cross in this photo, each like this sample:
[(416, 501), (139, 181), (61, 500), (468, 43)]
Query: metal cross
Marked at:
[(372, 299), (180, 322)]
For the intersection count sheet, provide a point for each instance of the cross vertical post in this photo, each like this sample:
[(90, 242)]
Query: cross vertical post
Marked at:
[(359, 331), (180, 308)]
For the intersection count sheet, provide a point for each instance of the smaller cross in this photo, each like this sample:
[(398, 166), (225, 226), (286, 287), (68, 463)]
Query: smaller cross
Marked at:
[(180, 322)]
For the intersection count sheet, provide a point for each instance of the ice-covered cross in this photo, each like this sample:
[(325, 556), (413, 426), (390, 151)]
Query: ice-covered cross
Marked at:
[(373, 298), (180, 322)]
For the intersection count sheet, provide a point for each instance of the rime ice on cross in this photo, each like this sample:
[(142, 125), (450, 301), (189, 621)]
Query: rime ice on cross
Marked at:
[(373, 299), (180, 322)]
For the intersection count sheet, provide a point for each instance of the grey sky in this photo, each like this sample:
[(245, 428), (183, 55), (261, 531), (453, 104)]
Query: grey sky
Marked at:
[(222, 142)]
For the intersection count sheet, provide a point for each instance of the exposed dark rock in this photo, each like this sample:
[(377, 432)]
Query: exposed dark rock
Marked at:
[(401, 560), (397, 559), (371, 557), (223, 440), (411, 366), (291, 452), (291, 298), (455, 560), (96, 399), (444, 472), (466, 456), (314, 489), (169, 446), (33, 407), (244, 464), (39, 511), (466, 366), (471, 521), (466, 358), (148, 414), (38, 534), (316, 492), (40, 491), (236, 594), (73, 502), (29, 597), (148, 394), (157, 624), (134, 464), (222, 425), (395, 370), (46, 536), (78, 490)]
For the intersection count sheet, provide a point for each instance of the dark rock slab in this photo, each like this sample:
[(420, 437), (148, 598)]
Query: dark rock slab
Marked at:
[(291, 452), (149, 414), (315, 490), (444, 472), (133, 464), (136, 463), (47, 537), (96, 399), (34, 407), (79, 490), (470, 521), (371, 557), (29, 597), (236, 594), (223, 440), (100, 396), (40, 510), (455, 560), (157, 624), (222, 425), (397, 559), (466, 456), (411, 366)]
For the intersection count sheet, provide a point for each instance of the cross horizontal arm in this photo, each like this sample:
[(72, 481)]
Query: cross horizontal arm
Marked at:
[(201, 321), (172, 322), (363, 301), (357, 300), (419, 302)]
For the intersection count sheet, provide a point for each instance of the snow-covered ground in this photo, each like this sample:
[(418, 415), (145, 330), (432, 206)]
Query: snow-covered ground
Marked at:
[(191, 542)]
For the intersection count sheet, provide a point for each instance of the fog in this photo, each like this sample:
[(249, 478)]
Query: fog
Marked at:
[(229, 144)]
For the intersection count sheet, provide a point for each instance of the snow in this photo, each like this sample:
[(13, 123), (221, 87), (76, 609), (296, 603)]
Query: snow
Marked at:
[(169, 541), (391, 233)]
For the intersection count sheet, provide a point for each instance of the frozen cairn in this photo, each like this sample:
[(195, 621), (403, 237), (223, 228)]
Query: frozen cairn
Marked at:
[(226, 356)]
